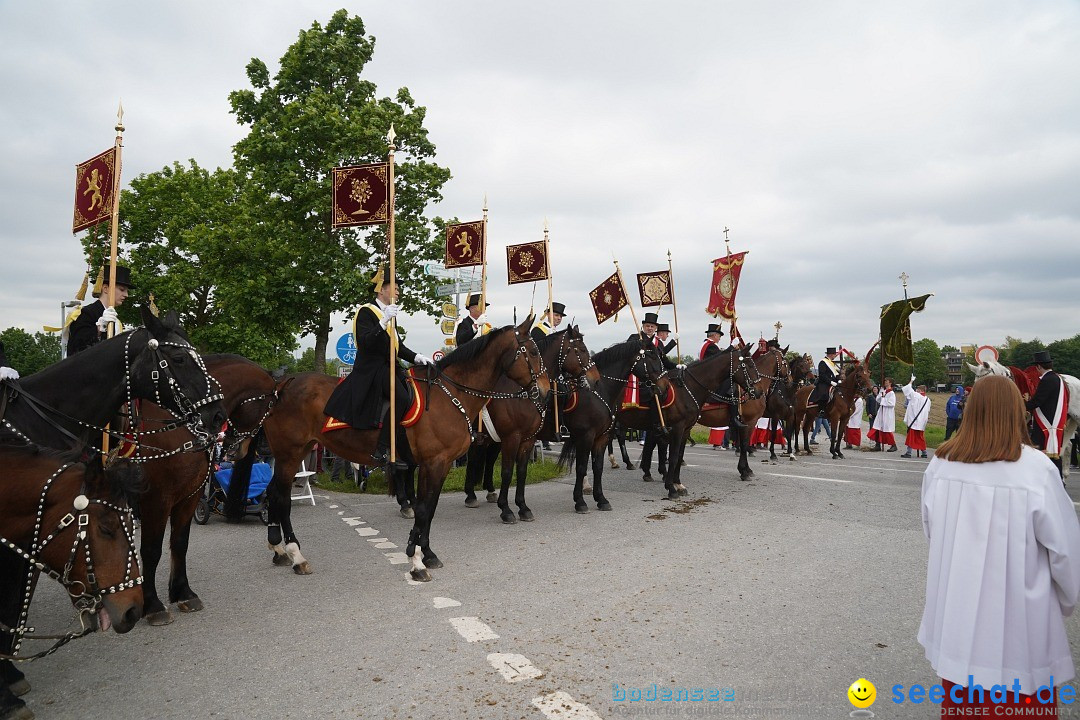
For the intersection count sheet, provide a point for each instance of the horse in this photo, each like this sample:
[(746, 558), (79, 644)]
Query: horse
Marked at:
[(71, 521), (856, 381), (781, 404), (592, 420), (457, 387), (618, 435), (517, 421), (1072, 383), (173, 480)]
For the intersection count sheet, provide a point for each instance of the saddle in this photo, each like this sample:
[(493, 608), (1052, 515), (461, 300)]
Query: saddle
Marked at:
[(413, 412)]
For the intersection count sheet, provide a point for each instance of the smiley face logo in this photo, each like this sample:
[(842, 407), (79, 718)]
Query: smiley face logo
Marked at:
[(862, 693)]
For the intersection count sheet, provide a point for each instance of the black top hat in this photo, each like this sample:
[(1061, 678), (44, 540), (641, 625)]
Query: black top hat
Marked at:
[(650, 318), (123, 277), (830, 351), (714, 328), (380, 277), (662, 327), (474, 299), (558, 308), (1042, 357)]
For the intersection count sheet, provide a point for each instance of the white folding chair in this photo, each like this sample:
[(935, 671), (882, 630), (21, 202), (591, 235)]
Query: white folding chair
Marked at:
[(306, 492)]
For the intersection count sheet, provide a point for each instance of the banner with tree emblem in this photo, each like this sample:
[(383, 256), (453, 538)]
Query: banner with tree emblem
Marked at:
[(465, 244), (94, 190), (896, 328), (655, 288), (725, 283), (361, 195), (608, 298), (527, 262)]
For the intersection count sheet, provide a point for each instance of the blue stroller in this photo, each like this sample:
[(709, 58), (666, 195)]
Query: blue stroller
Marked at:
[(213, 496)]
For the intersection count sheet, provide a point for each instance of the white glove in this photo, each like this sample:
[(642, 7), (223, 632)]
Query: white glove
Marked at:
[(834, 383), (422, 360), (680, 366), (912, 380), (9, 373), (109, 316), (673, 336), (481, 320), (389, 314)]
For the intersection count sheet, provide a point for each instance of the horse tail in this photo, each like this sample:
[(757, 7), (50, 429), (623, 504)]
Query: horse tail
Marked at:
[(567, 455), (236, 497)]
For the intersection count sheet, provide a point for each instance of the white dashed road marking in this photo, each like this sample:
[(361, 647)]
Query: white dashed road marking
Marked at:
[(514, 668), (472, 629), (808, 477), (353, 521), (441, 602), (560, 706), (397, 558), (365, 532)]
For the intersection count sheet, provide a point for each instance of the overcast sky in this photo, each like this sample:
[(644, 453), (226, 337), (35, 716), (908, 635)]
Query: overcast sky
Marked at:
[(841, 142)]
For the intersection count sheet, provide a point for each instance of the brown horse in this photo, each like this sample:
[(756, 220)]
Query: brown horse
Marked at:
[(173, 481), (71, 521), (454, 391), (856, 381), (517, 421), (781, 403)]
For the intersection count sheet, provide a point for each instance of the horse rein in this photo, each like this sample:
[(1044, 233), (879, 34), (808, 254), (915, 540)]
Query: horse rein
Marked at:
[(751, 389), (88, 599)]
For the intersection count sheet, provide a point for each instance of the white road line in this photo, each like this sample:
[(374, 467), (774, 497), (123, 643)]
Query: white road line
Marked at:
[(397, 558), (514, 668), (560, 706), (366, 532), (808, 477), (377, 540), (332, 507), (441, 602), (353, 521), (472, 629), (386, 545)]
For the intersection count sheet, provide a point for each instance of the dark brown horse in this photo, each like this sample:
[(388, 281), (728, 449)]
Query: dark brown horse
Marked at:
[(856, 381), (517, 421), (780, 407), (73, 522), (454, 391), (592, 419), (174, 480)]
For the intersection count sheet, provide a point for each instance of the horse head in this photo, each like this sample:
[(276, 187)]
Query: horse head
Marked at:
[(523, 363), (649, 366), (574, 358), (989, 367), (163, 366), (861, 373), (800, 367), (744, 372)]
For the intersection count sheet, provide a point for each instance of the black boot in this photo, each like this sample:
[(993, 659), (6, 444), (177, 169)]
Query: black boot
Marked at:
[(735, 420)]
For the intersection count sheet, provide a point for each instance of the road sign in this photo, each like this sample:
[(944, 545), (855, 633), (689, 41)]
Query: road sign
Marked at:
[(346, 349), (459, 287), (450, 310), (447, 326), (437, 269), (438, 355), (449, 342)]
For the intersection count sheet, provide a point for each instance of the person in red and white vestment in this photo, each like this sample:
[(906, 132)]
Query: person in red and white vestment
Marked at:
[(881, 432), (916, 415), (853, 431), (1049, 408)]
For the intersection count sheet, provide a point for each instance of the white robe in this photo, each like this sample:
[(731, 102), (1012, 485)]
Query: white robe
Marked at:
[(885, 420), (918, 408), (1003, 571), (855, 421)]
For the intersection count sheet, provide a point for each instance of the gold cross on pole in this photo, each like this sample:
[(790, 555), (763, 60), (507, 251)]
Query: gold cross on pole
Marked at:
[(904, 278), (778, 325)]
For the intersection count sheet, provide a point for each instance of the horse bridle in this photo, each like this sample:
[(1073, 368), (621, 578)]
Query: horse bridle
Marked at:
[(89, 597), (751, 386), (564, 354)]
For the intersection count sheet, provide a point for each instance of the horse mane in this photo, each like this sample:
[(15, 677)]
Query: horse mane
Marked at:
[(617, 353), (543, 343), (470, 350)]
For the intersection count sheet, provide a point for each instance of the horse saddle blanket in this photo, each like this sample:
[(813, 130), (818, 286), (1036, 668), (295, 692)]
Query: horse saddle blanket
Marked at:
[(412, 416), (633, 400)]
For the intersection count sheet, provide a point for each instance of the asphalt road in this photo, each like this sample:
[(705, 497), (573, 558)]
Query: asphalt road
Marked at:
[(778, 593)]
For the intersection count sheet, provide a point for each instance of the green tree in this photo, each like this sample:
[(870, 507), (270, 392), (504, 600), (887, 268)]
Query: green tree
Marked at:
[(949, 349), (186, 230), (930, 367), (30, 353), (1018, 352), (898, 371), (1066, 355), (316, 113)]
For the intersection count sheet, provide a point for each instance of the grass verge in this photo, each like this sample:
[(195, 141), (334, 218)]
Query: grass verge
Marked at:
[(455, 480)]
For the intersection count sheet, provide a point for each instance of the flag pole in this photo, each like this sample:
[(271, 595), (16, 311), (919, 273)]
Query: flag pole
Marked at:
[(674, 305), (622, 284), (119, 145), (392, 327), (483, 271), (551, 319)]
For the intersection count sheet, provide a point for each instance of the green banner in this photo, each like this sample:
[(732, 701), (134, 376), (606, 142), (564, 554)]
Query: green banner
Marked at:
[(896, 328)]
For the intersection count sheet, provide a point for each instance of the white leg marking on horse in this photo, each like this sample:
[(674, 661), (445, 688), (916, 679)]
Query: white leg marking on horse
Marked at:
[(293, 551), (472, 629), (513, 667), (417, 559), (279, 548), (397, 558), (560, 706), (365, 532), (441, 602), (353, 521)]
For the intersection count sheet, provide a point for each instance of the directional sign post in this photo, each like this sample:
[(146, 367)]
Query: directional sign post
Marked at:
[(465, 286), (346, 349)]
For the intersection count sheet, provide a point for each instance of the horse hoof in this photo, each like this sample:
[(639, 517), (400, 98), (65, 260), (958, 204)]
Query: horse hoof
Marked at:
[(603, 506), (433, 563), (673, 494), (586, 489), (280, 559), (840, 455), (493, 497), (20, 687), (187, 606), (581, 508), (614, 465), (420, 575), (526, 515), (18, 713), (157, 619), (472, 503), (629, 466), (409, 513), (647, 478), (303, 568), (508, 518), (683, 491)]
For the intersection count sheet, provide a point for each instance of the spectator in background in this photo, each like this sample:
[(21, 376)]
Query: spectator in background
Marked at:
[(871, 405), (954, 412), (1004, 560), (820, 423)]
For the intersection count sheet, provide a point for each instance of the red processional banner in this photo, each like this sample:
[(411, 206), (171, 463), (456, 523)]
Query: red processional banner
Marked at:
[(527, 262), (361, 195), (608, 298), (725, 283), (465, 244), (94, 181)]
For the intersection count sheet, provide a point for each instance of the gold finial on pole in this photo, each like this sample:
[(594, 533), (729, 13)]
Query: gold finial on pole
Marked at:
[(483, 270), (392, 326), (726, 231), (778, 325), (904, 277)]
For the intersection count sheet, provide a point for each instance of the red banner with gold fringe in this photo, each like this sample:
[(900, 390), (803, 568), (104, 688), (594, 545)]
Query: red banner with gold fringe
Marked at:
[(527, 262), (94, 181), (608, 298), (361, 195), (725, 283), (465, 244)]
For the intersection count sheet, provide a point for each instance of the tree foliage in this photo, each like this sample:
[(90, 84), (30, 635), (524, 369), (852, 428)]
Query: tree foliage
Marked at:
[(930, 367), (317, 113), (30, 353), (1066, 355)]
